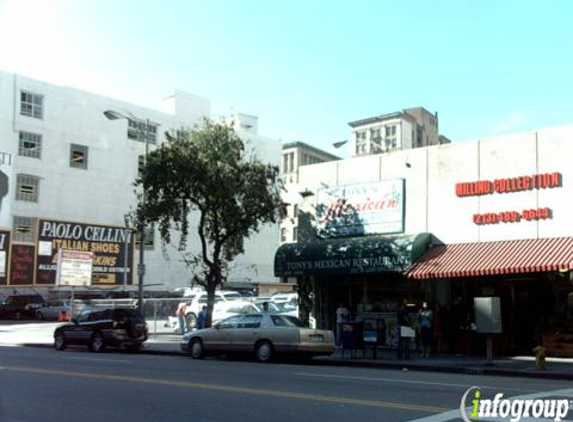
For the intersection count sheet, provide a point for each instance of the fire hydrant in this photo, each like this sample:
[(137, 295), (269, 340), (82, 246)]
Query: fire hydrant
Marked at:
[(540, 362)]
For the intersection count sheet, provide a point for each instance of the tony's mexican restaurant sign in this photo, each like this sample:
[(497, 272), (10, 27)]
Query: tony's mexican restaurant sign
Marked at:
[(112, 249), (366, 208)]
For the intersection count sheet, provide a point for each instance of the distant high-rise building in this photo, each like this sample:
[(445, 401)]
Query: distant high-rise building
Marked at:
[(406, 129)]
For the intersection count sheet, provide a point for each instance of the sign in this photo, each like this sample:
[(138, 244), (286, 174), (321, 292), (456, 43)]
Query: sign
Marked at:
[(74, 268), (5, 185), (4, 249), (361, 209), (22, 264), (112, 249), (508, 185)]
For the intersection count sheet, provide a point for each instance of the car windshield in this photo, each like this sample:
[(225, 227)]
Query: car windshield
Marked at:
[(286, 321)]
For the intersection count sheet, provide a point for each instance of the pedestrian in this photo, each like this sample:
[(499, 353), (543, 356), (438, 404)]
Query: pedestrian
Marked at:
[(405, 331), (180, 313), (202, 318), (425, 320), (342, 315)]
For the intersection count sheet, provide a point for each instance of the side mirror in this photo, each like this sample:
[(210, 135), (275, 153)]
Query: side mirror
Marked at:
[(216, 326)]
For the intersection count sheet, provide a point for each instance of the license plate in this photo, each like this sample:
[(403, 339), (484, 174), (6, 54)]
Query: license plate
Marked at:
[(316, 337)]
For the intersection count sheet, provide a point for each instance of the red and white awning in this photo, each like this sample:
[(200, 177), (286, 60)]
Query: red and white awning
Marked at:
[(490, 258)]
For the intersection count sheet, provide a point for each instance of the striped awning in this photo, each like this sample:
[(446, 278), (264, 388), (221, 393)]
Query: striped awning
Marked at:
[(490, 258)]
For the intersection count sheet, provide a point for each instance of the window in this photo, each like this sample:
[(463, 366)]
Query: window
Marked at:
[(250, 321), (295, 211), (24, 229), (148, 236), (27, 187), (295, 234), (391, 130), (140, 165), (30, 145), (283, 234), (31, 104), (138, 129), (79, 156), (360, 143)]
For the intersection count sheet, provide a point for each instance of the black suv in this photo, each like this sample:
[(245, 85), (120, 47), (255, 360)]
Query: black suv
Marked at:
[(99, 328), (21, 306)]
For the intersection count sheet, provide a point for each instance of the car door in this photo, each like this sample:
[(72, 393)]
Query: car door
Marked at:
[(218, 337), (246, 334), (75, 331)]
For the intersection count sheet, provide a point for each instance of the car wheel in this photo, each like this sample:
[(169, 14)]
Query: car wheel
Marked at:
[(97, 343), (40, 316), (264, 351), (191, 320), (60, 342), (196, 349)]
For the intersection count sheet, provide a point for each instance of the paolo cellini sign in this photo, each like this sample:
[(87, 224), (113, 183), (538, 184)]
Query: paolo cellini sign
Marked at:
[(110, 246), (361, 209)]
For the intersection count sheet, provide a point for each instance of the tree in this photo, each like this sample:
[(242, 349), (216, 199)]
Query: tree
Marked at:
[(233, 192)]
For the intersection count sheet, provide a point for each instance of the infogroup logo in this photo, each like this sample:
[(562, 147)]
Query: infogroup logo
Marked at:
[(512, 409)]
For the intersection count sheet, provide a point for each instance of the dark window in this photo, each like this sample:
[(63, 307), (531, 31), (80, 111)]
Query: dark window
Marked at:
[(79, 156)]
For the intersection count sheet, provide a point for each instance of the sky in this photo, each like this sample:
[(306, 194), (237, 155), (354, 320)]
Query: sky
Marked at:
[(308, 67)]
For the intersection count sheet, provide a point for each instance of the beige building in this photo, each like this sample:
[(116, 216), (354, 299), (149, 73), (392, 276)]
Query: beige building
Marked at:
[(406, 129)]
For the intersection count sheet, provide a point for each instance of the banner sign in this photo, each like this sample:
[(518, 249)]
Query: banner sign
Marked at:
[(5, 194), (22, 265), (112, 249), (361, 209), (74, 268), (4, 255)]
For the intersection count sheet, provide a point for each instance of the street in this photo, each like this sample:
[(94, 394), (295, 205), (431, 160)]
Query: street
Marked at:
[(40, 384)]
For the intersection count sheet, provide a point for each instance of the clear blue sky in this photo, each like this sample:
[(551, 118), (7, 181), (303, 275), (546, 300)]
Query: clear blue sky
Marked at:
[(307, 68)]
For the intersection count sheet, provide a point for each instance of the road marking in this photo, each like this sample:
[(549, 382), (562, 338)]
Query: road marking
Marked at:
[(455, 414), (231, 389), (100, 360), (394, 380)]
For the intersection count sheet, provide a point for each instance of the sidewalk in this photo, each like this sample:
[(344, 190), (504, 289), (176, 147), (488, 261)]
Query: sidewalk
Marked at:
[(41, 335)]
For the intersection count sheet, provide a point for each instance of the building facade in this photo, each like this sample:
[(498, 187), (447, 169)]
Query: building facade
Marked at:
[(67, 176), (445, 223), (406, 129)]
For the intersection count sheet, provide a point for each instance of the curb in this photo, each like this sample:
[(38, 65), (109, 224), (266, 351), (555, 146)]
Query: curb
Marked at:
[(470, 370)]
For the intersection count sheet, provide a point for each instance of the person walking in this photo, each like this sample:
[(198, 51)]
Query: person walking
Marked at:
[(425, 320), (404, 330), (202, 318), (342, 315), (180, 313)]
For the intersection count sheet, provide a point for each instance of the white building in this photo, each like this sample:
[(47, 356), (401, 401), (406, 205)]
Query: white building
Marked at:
[(67, 162), (445, 223)]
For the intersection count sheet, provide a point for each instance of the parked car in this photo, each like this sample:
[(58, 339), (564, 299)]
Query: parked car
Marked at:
[(200, 299), (53, 308), (21, 306), (99, 328), (264, 335)]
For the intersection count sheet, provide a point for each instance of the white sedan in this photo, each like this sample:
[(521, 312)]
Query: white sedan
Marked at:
[(264, 335)]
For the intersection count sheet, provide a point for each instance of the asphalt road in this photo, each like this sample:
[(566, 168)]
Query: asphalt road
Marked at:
[(38, 385)]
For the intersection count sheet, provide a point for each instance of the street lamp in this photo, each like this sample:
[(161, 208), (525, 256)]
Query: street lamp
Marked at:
[(115, 115)]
